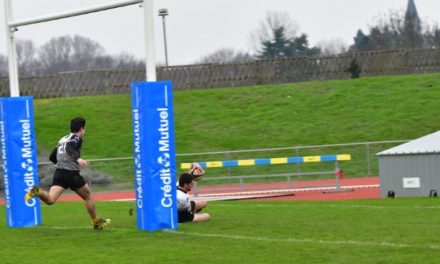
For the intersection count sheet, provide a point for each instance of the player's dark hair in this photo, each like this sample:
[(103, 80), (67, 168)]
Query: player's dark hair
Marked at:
[(185, 178), (76, 124)]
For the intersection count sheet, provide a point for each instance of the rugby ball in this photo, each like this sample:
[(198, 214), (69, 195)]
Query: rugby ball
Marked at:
[(196, 171)]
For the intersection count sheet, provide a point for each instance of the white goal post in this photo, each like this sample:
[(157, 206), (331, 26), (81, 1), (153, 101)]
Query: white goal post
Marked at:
[(11, 27)]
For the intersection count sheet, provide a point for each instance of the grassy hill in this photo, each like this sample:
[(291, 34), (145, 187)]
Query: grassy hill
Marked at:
[(294, 114), (309, 113)]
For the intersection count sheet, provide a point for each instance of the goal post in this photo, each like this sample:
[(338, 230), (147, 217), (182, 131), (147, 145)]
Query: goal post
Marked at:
[(161, 212), (13, 25), (11, 51)]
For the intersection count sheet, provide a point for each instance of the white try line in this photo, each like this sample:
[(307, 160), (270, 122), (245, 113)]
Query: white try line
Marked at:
[(382, 244), (312, 241), (80, 228)]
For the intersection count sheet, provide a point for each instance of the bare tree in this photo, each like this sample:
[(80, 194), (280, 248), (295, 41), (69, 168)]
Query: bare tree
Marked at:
[(332, 47), (27, 57), (121, 61), (55, 55), (432, 37), (103, 62), (127, 61), (397, 30), (388, 31), (272, 23), (68, 53), (79, 53), (226, 55), (84, 50), (276, 38)]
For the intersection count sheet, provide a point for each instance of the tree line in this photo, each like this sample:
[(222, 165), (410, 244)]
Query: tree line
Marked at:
[(397, 31), (66, 53), (277, 36)]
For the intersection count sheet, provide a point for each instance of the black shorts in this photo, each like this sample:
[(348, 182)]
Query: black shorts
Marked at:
[(68, 179), (185, 216)]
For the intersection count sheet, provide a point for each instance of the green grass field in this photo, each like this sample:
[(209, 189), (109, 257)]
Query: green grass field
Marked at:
[(311, 113), (360, 231)]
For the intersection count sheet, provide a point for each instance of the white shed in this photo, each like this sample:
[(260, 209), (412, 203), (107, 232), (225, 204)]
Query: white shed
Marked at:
[(411, 169)]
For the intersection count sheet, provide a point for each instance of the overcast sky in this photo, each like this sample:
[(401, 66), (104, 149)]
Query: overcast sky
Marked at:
[(198, 27)]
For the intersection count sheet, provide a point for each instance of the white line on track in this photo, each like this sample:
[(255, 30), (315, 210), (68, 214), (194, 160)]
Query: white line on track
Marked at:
[(287, 190), (312, 204), (239, 195), (294, 204)]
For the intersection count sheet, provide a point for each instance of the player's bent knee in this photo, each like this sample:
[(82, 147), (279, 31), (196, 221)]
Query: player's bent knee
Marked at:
[(50, 202), (202, 203)]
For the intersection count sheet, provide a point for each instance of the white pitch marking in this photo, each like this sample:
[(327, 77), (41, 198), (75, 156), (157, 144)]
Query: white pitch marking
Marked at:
[(384, 244), (79, 228), (312, 241)]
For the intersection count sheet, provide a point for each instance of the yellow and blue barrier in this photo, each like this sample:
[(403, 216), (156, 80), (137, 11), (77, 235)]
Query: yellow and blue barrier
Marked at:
[(269, 161)]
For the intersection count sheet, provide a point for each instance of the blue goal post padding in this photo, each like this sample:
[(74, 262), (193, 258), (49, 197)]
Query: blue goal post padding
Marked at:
[(154, 155), (269, 161), (20, 168)]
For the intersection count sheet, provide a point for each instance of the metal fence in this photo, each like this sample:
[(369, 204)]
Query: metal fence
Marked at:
[(390, 62), (363, 163), (117, 173)]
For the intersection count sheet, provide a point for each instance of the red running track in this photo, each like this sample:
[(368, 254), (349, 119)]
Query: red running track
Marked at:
[(353, 188)]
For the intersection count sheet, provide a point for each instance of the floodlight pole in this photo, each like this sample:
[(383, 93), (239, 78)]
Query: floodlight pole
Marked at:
[(163, 13), (12, 52)]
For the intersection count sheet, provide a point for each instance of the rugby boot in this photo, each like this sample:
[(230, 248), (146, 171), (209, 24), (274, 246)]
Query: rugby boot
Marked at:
[(101, 223), (35, 191)]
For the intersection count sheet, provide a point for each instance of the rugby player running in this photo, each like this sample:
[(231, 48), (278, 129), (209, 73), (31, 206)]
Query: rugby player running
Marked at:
[(67, 157)]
